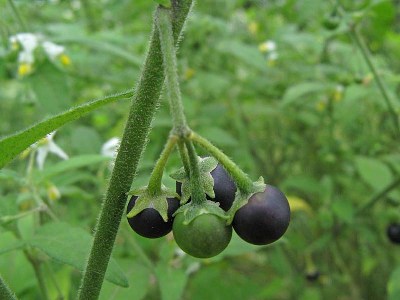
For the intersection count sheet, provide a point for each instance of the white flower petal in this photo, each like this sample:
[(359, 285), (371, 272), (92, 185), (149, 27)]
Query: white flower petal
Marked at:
[(41, 156), (50, 136), (110, 147), (273, 56), (52, 50), (28, 41), (26, 57), (54, 148)]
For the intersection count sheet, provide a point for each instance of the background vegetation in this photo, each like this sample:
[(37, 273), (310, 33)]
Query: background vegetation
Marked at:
[(303, 110)]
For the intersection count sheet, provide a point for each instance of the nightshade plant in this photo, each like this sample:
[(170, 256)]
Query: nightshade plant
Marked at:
[(201, 227)]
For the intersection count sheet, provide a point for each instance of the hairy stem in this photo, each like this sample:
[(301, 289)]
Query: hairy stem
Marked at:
[(170, 66), (133, 142), (367, 56), (243, 182), (156, 176), (5, 291), (196, 188), (184, 156)]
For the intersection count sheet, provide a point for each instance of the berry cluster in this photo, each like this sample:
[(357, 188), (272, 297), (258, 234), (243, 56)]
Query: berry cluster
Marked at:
[(263, 220)]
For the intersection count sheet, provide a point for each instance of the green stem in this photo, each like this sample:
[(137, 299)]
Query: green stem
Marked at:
[(54, 280), (39, 274), (156, 176), (5, 291), (196, 188), (378, 196), (170, 66), (89, 14), (133, 141), (243, 182), (17, 15), (367, 56), (184, 156)]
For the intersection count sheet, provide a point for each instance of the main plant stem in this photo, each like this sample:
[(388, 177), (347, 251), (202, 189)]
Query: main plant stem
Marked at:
[(133, 141), (5, 292)]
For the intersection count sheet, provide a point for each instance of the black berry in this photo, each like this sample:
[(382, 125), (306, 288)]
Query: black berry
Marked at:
[(393, 233), (149, 223), (224, 188), (264, 219)]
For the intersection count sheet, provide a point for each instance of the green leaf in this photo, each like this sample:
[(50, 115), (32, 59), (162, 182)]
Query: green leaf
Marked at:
[(71, 246), (70, 164), (344, 210), (171, 280), (393, 287), (374, 172), (138, 274), (247, 54), (296, 92), (14, 144), (50, 87), (15, 245)]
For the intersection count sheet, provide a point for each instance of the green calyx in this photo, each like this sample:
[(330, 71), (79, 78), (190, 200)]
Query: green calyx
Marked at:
[(191, 211), (147, 199), (241, 198), (206, 165)]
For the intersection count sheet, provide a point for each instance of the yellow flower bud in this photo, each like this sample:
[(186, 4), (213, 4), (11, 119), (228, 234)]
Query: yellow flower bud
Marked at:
[(253, 27), (24, 69), (53, 193), (65, 59)]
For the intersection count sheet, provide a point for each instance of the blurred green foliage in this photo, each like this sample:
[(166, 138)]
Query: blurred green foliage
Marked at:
[(302, 110)]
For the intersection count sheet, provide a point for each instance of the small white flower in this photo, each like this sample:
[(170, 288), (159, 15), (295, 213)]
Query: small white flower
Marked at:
[(110, 147), (26, 57), (52, 50), (267, 46), (28, 41), (273, 56), (339, 88), (45, 146)]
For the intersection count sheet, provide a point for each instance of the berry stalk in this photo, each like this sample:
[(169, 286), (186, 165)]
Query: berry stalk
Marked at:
[(154, 186), (170, 68), (196, 187), (243, 182)]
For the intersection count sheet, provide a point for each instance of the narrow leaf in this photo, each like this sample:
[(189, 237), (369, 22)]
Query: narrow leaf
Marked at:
[(12, 145)]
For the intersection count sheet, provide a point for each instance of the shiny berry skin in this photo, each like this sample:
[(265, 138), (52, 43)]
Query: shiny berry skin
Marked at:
[(224, 188), (393, 233), (149, 223), (264, 219)]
